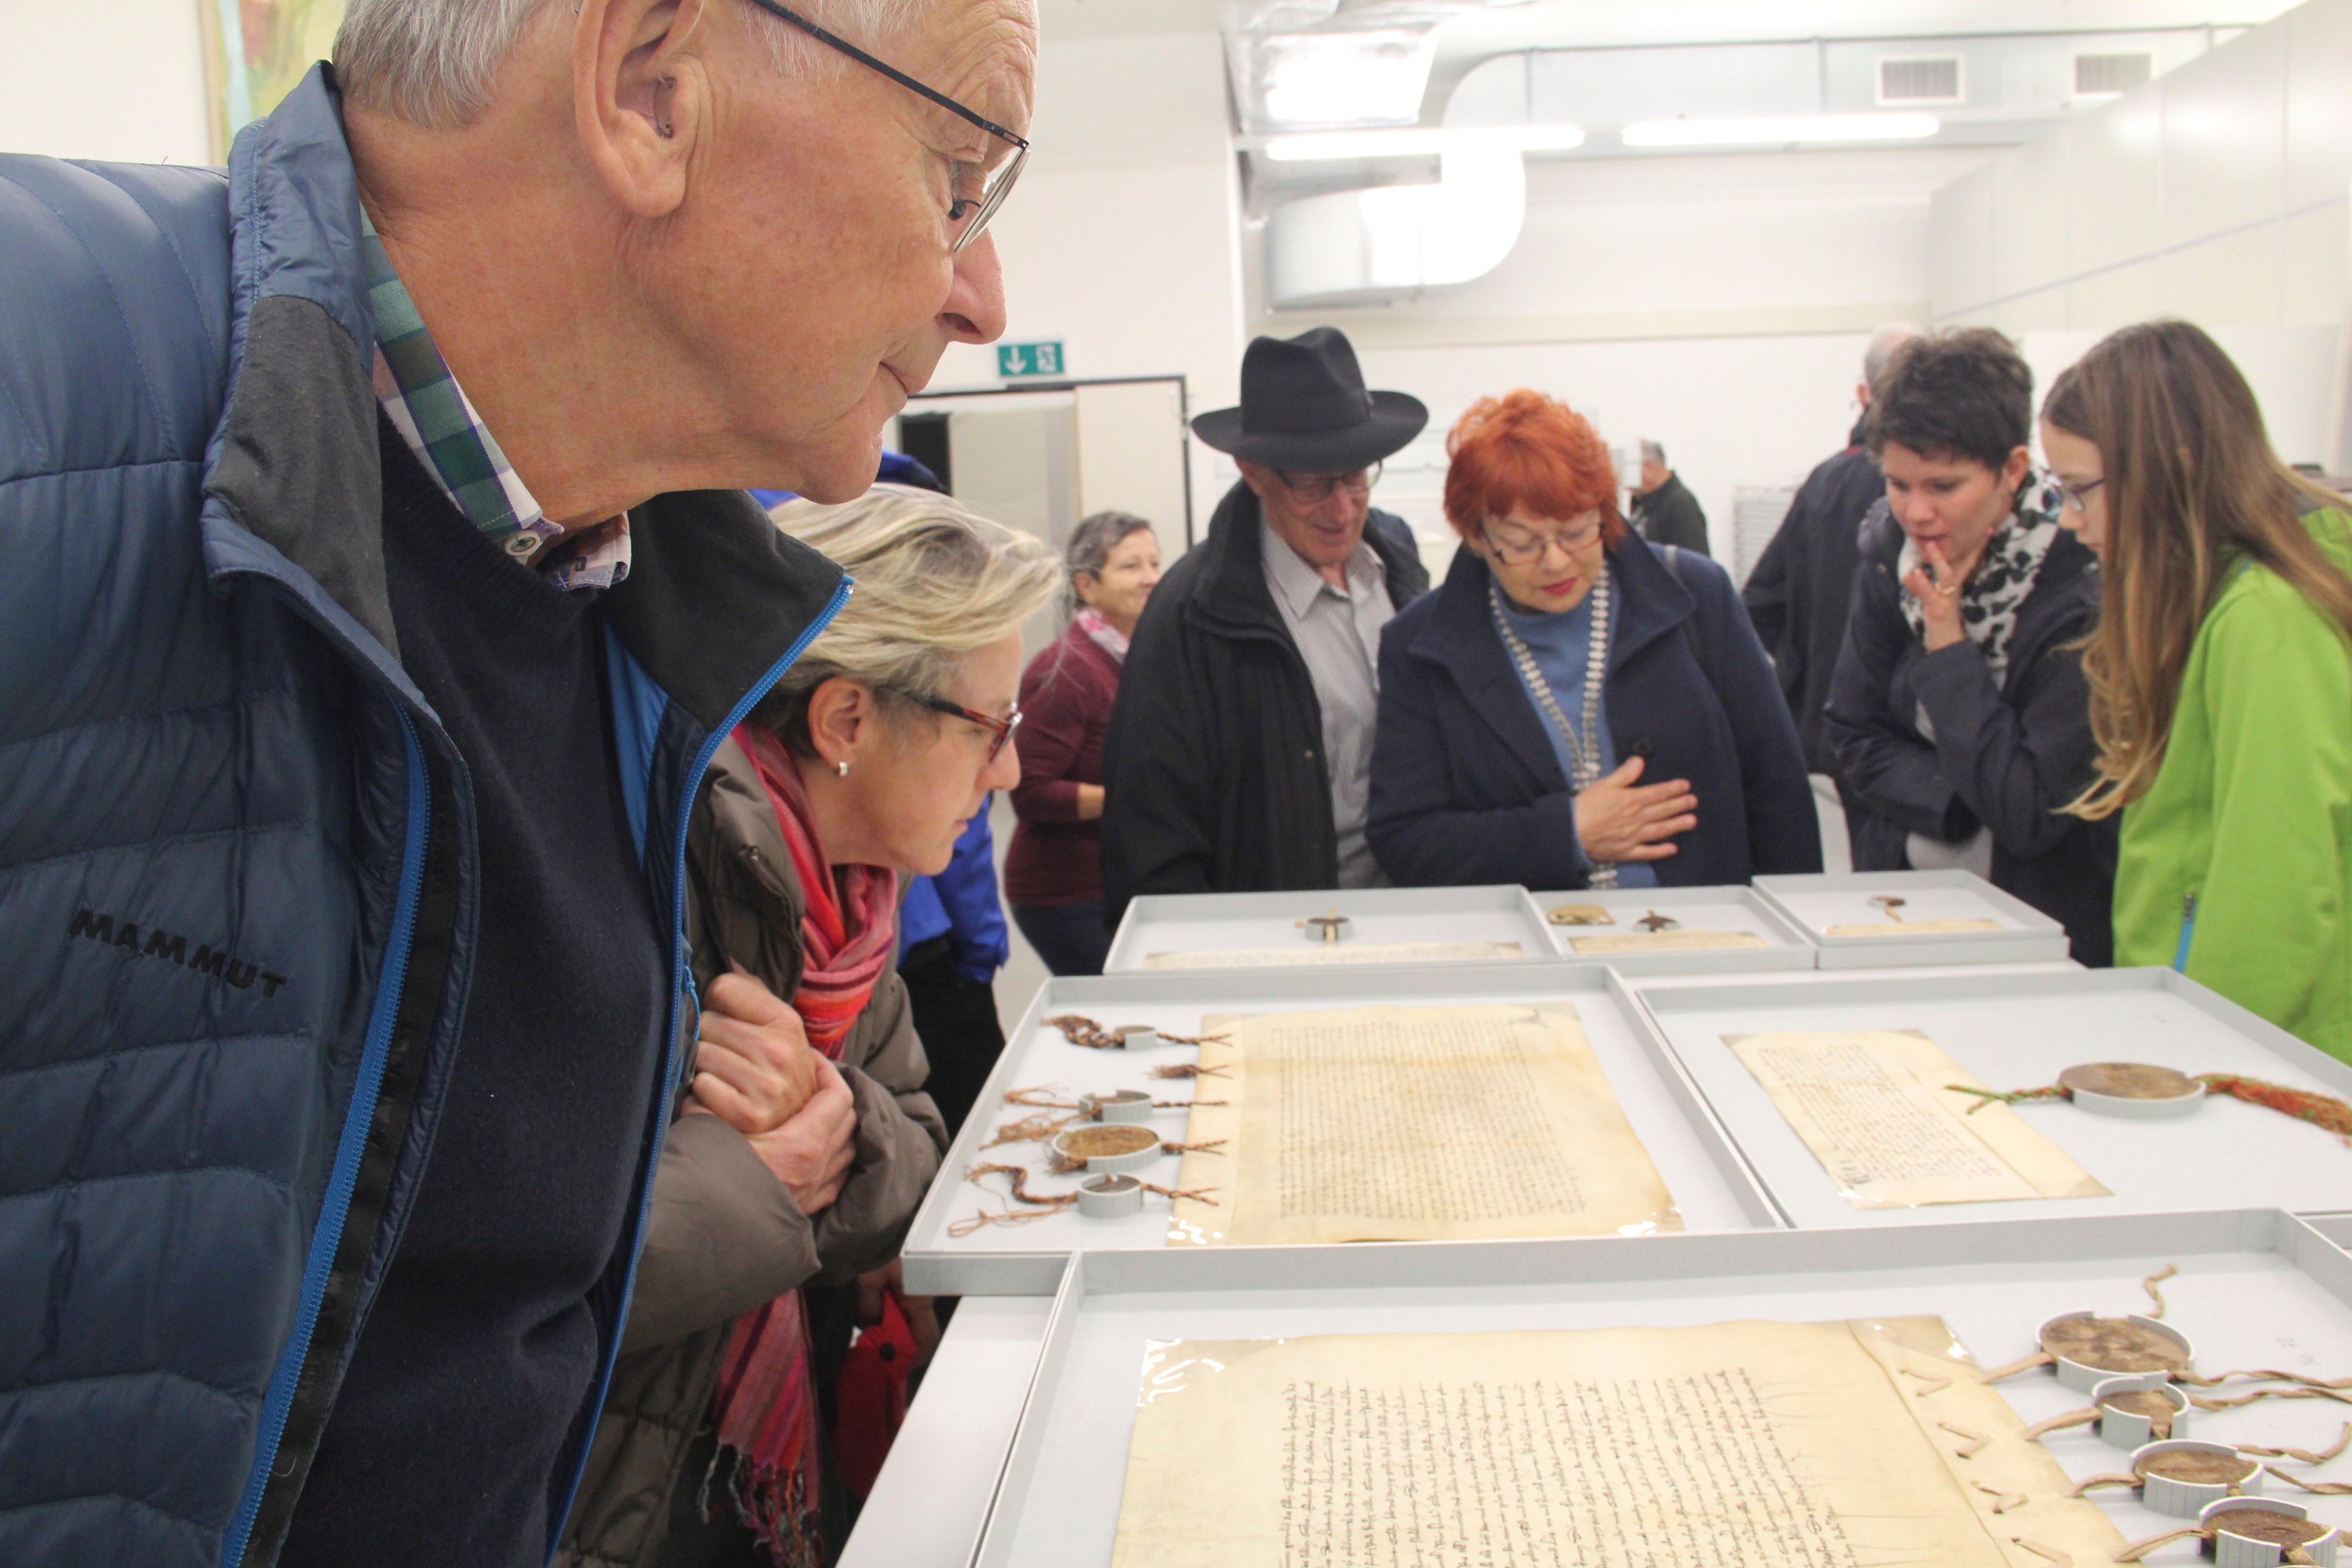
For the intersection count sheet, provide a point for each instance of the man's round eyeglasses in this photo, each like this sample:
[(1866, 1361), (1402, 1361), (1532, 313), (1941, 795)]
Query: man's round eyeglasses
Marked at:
[(1000, 729), (1518, 552), (1313, 490), (977, 194)]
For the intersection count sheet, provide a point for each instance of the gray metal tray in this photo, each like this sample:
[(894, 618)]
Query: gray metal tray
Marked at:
[(1213, 923), (1711, 1184), (2256, 1288), (2017, 1031), (1733, 909), (1817, 902)]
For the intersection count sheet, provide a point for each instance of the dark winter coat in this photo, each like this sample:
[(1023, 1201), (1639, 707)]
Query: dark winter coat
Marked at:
[(1797, 594), (1214, 776), (725, 1235), (1672, 515), (214, 1122), (1468, 789), (2004, 757)]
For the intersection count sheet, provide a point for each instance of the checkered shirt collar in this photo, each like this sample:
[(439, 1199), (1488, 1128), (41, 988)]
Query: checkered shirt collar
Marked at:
[(432, 414)]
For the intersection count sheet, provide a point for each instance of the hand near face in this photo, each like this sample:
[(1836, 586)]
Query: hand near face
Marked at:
[(1619, 820), (811, 1153), (1935, 584), (754, 1067)]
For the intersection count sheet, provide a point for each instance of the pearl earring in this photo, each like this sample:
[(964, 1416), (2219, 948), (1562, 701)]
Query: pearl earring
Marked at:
[(841, 769)]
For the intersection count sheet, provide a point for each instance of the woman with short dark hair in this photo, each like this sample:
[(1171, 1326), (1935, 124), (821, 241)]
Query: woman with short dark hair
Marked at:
[(1958, 708), (1053, 872), (1575, 706)]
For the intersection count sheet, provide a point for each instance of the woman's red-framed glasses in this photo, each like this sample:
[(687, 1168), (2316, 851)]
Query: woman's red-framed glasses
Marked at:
[(1001, 729)]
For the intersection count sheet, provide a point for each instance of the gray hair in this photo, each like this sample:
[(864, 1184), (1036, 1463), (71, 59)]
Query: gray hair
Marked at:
[(1653, 453), (1092, 541), (431, 62), (1889, 337), (933, 583)]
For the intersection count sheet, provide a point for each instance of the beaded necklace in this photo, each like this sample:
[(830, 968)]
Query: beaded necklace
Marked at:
[(1583, 743)]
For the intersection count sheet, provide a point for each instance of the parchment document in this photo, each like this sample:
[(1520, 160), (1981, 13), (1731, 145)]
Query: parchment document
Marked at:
[(1335, 953), (1665, 941), (1873, 1108), (1411, 1124), (1740, 1444), (1910, 928)]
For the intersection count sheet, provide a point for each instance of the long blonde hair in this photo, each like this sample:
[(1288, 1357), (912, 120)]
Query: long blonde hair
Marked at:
[(2191, 487), (932, 583)]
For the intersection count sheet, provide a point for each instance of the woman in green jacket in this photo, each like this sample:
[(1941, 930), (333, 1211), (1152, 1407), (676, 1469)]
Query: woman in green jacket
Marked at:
[(2220, 677)]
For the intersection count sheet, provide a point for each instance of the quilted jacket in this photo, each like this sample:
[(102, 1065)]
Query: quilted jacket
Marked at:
[(237, 876)]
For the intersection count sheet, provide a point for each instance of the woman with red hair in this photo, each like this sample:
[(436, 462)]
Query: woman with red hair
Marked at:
[(1577, 707)]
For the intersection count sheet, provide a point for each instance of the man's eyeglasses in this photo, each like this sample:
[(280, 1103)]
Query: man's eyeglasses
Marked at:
[(2076, 496), (1000, 729), (977, 196), (1519, 549), (1313, 490)]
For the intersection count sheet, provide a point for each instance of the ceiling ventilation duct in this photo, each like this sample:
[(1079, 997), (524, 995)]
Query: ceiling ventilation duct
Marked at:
[(1357, 248), (2105, 76), (1920, 82)]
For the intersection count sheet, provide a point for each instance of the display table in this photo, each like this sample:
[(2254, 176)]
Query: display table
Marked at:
[(1384, 926)]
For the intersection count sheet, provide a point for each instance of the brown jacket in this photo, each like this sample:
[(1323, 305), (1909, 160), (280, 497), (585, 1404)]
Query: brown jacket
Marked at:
[(725, 1235)]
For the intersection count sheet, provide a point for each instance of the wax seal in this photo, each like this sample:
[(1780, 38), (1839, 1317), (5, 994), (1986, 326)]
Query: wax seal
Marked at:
[(2255, 1532), (1108, 1147), (2181, 1477), (1580, 915), (1120, 1105), (1110, 1197), (1324, 928), (2138, 1410), (2135, 1091), (2086, 1349)]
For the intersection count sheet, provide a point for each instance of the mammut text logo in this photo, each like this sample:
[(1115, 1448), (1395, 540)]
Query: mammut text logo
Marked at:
[(157, 942)]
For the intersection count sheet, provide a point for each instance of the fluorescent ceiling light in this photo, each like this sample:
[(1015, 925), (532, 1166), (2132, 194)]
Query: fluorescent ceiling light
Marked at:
[(1421, 142), (1779, 129)]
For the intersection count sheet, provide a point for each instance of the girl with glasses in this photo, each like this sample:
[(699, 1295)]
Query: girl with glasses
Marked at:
[(2220, 677)]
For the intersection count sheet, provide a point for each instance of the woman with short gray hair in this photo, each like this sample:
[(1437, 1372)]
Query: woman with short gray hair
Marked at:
[(863, 766), (1053, 873)]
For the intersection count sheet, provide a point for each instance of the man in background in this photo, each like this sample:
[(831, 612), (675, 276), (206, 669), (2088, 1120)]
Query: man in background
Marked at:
[(1664, 509), (1239, 756), (1797, 593)]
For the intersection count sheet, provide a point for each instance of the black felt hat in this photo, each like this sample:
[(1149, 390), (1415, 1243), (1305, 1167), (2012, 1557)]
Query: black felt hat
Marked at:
[(1304, 408)]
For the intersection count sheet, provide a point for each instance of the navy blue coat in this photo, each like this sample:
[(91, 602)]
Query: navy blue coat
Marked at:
[(1466, 787), (238, 877)]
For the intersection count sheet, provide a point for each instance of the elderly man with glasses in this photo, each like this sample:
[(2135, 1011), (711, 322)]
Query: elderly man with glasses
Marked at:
[(376, 584), (1239, 754)]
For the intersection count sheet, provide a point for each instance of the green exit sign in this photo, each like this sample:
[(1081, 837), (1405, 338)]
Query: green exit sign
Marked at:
[(1030, 358)]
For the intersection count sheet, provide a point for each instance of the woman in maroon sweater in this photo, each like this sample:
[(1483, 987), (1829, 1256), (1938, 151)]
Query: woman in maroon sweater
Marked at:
[(1053, 873)]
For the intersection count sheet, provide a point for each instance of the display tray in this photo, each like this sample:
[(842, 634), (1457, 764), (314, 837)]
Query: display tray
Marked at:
[(1819, 903), (2019, 1032), (1743, 910), (1711, 1184), (2255, 1288), (1265, 926)]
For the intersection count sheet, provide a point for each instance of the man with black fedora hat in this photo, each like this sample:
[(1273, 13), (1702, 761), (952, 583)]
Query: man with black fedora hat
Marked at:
[(1239, 757)]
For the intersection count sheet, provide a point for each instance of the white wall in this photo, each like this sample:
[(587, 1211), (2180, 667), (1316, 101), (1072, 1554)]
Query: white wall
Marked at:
[(1718, 304), (120, 80), (1121, 238), (2217, 194)]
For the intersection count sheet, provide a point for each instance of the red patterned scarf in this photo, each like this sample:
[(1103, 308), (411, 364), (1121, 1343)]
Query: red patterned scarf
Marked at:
[(764, 1405)]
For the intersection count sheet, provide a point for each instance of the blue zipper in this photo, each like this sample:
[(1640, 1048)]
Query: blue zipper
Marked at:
[(2188, 929), (680, 979), (353, 1145)]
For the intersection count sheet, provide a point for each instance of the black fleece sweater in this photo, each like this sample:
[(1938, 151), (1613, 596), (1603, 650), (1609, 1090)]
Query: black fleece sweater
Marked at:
[(478, 1359)]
